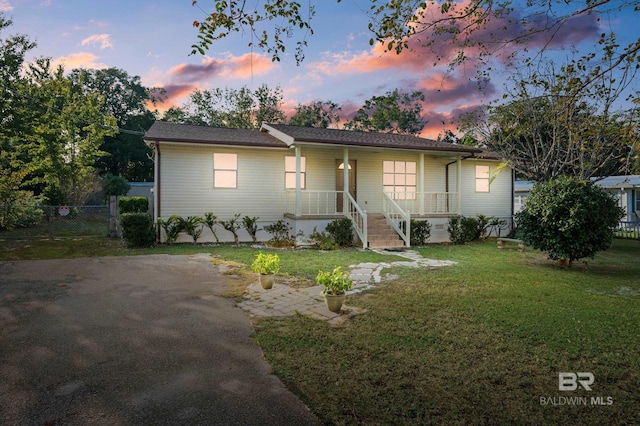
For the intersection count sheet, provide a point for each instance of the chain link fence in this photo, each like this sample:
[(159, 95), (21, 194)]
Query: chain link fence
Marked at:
[(38, 221)]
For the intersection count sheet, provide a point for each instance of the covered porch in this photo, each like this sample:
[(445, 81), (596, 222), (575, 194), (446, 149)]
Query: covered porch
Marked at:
[(382, 206)]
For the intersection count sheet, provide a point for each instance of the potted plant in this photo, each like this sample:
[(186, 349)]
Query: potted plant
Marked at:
[(266, 265), (336, 283)]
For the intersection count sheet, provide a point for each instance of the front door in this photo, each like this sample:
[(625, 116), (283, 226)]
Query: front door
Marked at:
[(340, 181)]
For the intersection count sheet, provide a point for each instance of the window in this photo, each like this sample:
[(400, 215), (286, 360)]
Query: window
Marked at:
[(399, 179), (290, 172), (225, 170), (482, 178)]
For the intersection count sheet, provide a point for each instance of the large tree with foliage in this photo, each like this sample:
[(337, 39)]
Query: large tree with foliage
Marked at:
[(236, 108), (316, 114), (61, 143), (128, 101), (552, 125), (51, 130), (393, 112)]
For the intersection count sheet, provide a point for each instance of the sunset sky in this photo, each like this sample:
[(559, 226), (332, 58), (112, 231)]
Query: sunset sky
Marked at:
[(153, 38)]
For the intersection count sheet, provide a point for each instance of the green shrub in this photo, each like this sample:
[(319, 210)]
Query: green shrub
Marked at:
[(133, 205), (171, 227), (210, 220), (464, 229), (192, 225), (420, 232), (341, 231), (569, 218), (323, 240), (250, 224), (115, 185), (137, 229), (23, 211), (280, 234), (232, 225)]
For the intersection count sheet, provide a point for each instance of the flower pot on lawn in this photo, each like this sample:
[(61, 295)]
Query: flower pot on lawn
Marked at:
[(267, 280), (334, 303), (336, 284), (266, 265)]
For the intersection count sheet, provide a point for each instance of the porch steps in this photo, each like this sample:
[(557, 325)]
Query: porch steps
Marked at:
[(380, 234)]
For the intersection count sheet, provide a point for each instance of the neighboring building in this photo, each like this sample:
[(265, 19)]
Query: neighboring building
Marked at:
[(625, 188), (298, 174)]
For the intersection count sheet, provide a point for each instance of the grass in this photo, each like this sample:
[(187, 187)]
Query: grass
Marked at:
[(477, 343)]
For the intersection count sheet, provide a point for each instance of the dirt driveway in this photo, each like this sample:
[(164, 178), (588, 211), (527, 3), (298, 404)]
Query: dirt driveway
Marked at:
[(131, 340)]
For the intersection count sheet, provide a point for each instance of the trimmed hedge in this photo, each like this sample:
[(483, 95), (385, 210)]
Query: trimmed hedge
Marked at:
[(133, 205), (137, 229)]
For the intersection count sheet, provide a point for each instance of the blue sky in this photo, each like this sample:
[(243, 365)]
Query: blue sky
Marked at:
[(152, 39)]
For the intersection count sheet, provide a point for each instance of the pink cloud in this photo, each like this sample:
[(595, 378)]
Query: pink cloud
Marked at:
[(5, 6), (78, 60), (442, 51), (173, 95), (234, 67), (103, 40)]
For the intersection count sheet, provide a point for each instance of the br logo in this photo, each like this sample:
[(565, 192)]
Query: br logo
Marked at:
[(570, 381)]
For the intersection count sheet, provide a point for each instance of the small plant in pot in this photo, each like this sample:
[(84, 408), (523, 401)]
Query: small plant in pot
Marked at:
[(266, 265), (336, 283)]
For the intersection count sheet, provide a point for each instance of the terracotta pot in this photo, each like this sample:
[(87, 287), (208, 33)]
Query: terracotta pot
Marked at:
[(334, 303), (267, 280), (564, 262)]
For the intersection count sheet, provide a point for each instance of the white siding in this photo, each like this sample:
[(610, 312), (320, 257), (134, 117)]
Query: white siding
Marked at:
[(496, 202), (186, 182)]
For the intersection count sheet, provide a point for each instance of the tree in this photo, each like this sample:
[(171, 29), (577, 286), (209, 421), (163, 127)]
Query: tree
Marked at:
[(50, 128), (393, 112), (61, 142), (14, 115), (235, 108), (128, 101), (457, 32), (553, 126), (316, 114), (569, 218)]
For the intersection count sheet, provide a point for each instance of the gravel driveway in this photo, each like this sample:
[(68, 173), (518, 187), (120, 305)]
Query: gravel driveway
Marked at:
[(131, 340)]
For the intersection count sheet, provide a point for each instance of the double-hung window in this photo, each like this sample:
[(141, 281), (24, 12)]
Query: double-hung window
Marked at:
[(290, 172), (482, 178), (225, 170)]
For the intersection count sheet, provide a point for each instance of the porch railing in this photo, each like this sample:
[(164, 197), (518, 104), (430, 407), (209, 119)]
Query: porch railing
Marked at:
[(318, 203), (426, 202), (399, 219), (358, 216)]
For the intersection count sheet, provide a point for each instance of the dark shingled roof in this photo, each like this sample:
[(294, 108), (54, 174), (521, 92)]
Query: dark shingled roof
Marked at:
[(370, 139), (175, 132)]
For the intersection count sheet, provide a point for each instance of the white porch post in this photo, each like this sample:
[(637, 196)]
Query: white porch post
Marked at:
[(458, 185), (298, 183), (345, 183), (421, 185)]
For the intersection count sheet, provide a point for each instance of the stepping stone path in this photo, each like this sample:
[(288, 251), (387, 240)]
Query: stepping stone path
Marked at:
[(283, 300)]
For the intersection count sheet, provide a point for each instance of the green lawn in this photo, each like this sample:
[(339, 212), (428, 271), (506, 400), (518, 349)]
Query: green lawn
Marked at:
[(481, 342), (477, 343)]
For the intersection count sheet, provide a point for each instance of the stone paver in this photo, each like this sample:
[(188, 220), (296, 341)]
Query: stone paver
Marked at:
[(283, 300)]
